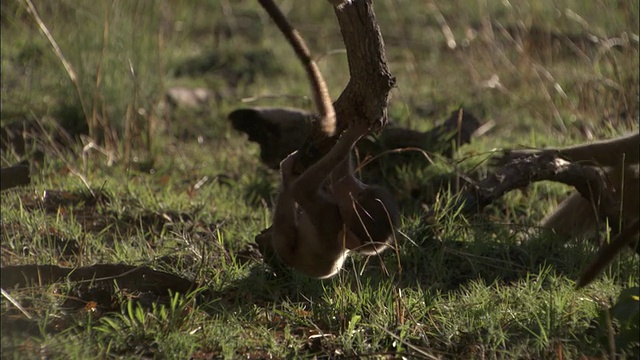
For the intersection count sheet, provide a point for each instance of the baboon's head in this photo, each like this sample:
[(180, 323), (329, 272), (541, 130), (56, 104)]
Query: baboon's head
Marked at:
[(376, 217)]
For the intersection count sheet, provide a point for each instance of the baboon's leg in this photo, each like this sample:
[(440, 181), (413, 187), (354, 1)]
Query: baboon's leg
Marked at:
[(608, 252), (627, 184), (575, 216), (609, 152)]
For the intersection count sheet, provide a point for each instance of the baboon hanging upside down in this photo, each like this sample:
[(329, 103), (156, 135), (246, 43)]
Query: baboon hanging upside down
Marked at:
[(325, 212)]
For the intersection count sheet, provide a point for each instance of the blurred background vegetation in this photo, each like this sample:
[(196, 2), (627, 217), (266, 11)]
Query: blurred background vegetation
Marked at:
[(566, 65)]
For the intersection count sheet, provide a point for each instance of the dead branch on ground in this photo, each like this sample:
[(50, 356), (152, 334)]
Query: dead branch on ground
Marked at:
[(16, 175), (591, 182)]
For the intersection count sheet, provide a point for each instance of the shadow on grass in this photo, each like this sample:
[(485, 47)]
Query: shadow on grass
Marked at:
[(439, 260), (489, 252)]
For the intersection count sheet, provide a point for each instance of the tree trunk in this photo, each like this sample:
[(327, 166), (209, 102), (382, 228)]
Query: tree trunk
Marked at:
[(366, 96)]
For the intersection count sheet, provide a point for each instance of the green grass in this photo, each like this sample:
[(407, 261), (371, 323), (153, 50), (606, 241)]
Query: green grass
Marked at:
[(186, 194)]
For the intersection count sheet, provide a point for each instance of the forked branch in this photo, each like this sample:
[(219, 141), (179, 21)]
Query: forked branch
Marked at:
[(366, 96)]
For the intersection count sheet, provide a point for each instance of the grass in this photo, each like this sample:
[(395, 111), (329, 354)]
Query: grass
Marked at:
[(179, 191)]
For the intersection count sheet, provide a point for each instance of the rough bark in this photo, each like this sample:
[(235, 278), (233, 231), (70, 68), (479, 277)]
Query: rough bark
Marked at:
[(366, 96), (591, 182), (134, 278)]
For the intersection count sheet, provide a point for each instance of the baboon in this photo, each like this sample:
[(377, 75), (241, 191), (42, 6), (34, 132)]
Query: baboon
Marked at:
[(576, 216), (325, 212)]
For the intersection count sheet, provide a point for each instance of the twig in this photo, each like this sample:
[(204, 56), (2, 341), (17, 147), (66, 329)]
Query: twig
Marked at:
[(16, 304), (98, 81), (446, 30), (418, 350)]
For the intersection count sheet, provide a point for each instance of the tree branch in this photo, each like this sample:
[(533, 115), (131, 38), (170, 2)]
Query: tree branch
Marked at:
[(591, 182), (366, 96)]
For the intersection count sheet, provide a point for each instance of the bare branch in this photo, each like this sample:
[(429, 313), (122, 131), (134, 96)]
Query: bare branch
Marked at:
[(366, 96), (591, 182), (15, 176)]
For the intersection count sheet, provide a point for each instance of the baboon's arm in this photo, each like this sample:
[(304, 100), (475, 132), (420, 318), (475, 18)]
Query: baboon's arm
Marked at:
[(312, 179), (284, 213), (606, 152)]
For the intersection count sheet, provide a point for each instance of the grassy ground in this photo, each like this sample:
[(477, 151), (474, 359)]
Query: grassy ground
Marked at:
[(177, 190)]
